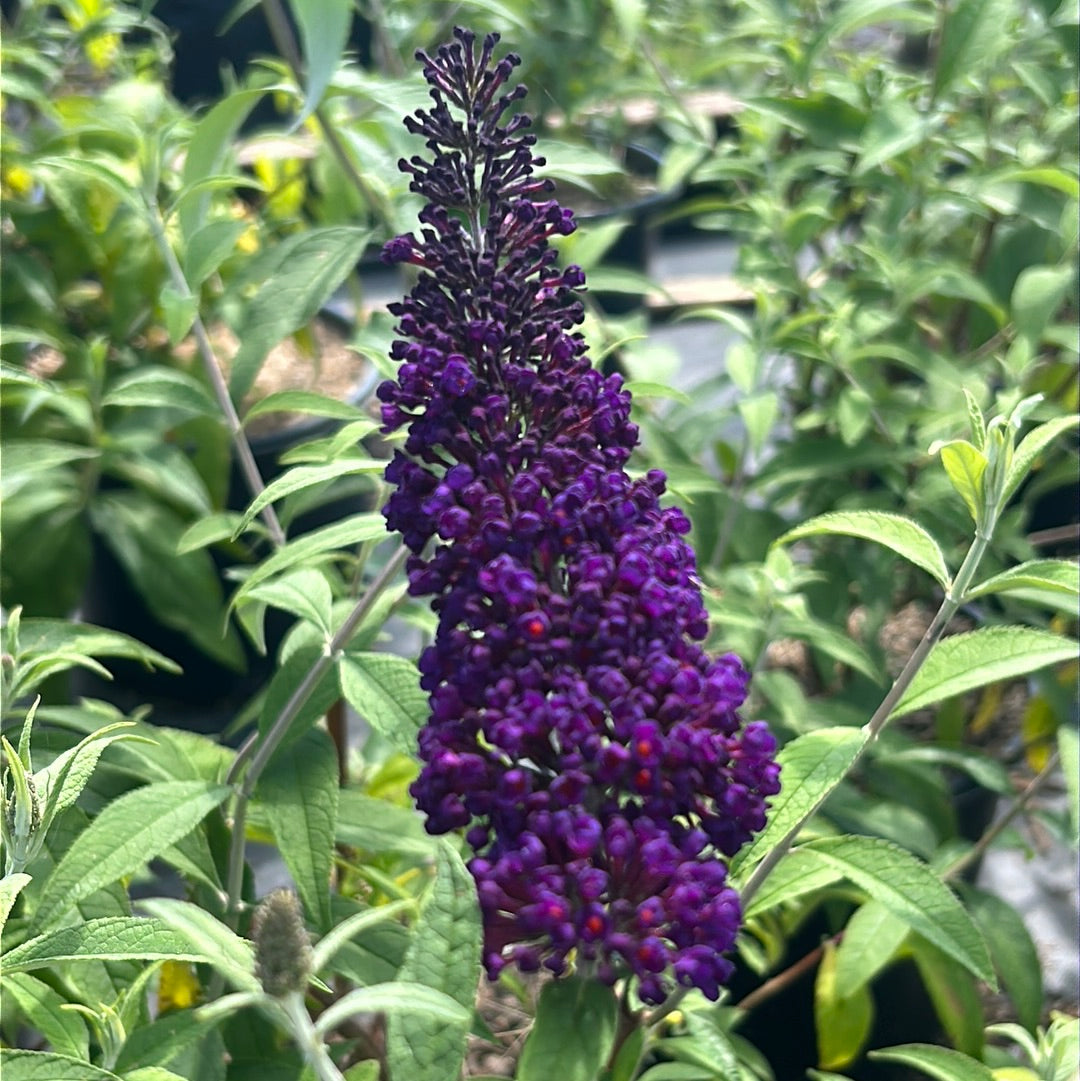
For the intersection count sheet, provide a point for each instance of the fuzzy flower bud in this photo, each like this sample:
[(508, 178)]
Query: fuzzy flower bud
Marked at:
[(282, 945)]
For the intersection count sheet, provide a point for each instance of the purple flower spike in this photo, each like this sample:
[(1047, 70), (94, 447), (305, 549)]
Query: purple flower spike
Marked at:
[(578, 731)]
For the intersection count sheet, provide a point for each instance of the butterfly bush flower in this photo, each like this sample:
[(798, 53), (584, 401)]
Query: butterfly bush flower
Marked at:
[(578, 732)]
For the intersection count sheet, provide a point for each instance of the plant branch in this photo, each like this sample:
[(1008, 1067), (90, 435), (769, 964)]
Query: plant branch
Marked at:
[(1020, 801), (248, 466), (259, 750), (954, 597), (285, 41), (784, 979)]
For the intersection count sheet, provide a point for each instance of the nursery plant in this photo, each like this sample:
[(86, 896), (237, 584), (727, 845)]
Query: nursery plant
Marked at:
[(604, 834)]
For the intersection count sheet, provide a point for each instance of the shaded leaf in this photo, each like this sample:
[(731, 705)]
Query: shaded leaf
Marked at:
[(572, 1034), (939, 1062), (842, 1022), (299, 794)]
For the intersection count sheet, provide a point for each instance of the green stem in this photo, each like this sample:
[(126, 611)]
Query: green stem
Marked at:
[(259, 750), (1020, 801), (954, 597), (248, 466), (307, 1040)]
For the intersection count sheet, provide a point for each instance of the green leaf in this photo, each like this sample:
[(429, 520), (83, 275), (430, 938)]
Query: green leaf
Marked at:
[(156, 1044), (939, 1062), (385, 690), (299, 793), (61, 782), (305, 401), (904, 536), (572, 1034), (107, 938), (871, 940), (316, 264), (331, 942), (797, 874), (179, 310), (965, 467), (306, 476), (208, 247), (64, 1029), (157, 387), (1069, 748), (973, 31), (206, 152), (443, 954), (1031, 446), (911, 891), (1015, 958), (1037, 296), (10, 888), (44, 636), (305, 593), (963, 662), (673, 1071), (759, 413), (18, 1065), (380, 827), (639, 388), (842, 1022), (324, 31), (143, 535), (352, 531), (217, 944), (1056, 575), (209, 530), (130, 831), (953, 992), (393, 999), (811, 766), (25, 458)]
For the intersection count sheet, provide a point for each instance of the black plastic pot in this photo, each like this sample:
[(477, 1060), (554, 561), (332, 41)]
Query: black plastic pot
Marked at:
[(634, 247)]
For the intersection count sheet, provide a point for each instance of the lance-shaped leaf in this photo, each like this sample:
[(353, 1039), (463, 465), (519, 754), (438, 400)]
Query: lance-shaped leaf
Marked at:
[(1029, 449), (811, 766), (905, 537), (230, 954), (1055, 575), (108, 938), (63, 1028), (909, 889), (963, 662), (871, 940), (20, 1065), (299, 793), (385, 691), (396, 999), (942, 1063), (444, 954), (131, 830), (306, 476), (843, 1022)]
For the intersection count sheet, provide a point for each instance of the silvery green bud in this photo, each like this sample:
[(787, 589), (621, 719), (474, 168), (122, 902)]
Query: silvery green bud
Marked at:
[(282, 945)]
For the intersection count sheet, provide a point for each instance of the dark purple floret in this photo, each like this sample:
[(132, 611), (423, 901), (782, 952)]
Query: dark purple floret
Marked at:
[(578, 731)]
